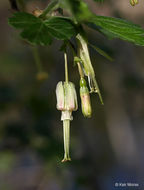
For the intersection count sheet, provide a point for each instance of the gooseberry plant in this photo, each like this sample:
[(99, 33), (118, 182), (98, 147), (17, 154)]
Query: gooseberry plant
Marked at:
[(64, 20)]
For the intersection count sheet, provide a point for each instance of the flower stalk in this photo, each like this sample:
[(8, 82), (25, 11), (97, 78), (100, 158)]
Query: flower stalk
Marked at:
[(81, 73), (66, 67)]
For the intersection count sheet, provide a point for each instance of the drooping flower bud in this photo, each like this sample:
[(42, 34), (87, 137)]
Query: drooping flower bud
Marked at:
[(37, 12), (85, 99), (87, 65), (134, 2)]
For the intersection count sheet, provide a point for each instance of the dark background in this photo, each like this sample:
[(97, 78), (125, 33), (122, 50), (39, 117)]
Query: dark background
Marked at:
[(106, 149)]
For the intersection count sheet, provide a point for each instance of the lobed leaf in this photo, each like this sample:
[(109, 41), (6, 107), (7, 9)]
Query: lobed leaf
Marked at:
[(60, 28), (119, 28), (41, 32)]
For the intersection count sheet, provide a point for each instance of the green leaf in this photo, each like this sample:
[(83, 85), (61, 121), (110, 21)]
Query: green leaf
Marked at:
[(37, 35), (21, 20), (77, 8), (119, 28), (60, 28), (41, 32), (101, 52)]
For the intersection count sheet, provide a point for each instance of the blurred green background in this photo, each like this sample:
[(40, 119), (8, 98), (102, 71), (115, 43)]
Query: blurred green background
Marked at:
[(106, 149)]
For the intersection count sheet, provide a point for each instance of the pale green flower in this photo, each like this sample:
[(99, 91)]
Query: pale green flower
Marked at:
[(66, 96), (66, 102)]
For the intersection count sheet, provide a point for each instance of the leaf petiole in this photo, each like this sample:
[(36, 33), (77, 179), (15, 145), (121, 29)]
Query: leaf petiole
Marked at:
[(51, 7)]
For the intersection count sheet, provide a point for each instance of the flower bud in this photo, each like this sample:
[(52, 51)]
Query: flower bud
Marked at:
[(66, 96), (37, 12), (85, 99), (133, 2)]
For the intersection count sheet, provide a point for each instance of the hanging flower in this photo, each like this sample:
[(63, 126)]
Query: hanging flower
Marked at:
[(66, 102)]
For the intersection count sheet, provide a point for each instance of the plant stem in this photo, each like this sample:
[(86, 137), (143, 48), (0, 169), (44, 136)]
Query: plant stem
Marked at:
[(80, 70), (66, 68), (37, 58), (51, 7)]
